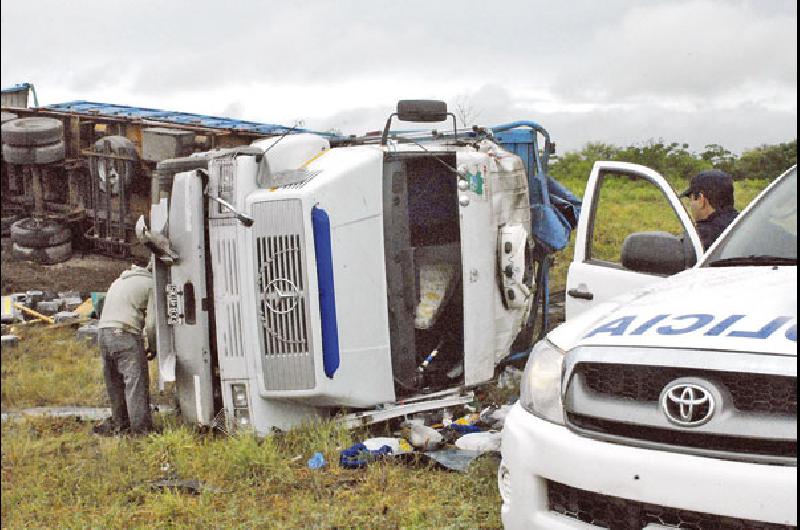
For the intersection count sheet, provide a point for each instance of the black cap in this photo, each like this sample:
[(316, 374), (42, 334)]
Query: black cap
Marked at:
[(712, 183)]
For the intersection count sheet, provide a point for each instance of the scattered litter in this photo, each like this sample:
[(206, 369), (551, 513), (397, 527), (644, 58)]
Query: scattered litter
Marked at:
[(423, 436), (480, 441), (453, 459), (317, 461), (10, 341), (33, 297), (11, 312), (464, 429), (190, 486), (358, 456), (397, 445), (65, 316), (69, 294), (71, 304), (49, 308), (85, 309)]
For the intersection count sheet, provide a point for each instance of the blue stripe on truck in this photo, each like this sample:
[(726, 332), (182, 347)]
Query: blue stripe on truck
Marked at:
[(327, 297)]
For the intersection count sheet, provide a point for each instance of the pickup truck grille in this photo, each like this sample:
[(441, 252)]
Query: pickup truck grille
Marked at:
[(770, 394), (282, 296), (750, 417), (698, 440), (615, 513)]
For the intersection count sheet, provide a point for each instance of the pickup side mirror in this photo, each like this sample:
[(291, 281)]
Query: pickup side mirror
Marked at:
[(654, 252)]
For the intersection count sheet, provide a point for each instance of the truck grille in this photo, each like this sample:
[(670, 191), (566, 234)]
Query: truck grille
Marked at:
[(615, 513), (770, 394), (282, 296)]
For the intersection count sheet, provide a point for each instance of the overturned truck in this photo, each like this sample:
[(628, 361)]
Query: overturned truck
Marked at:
[(385, 275)]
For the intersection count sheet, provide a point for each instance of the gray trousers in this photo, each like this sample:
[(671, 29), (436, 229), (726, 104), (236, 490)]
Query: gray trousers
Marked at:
[(127, 379)]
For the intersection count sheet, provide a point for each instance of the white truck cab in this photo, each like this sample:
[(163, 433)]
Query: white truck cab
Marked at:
[(673, 405), (296, 278)]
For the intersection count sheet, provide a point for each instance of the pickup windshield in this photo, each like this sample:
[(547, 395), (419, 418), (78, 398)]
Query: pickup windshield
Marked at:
[(767, 234)]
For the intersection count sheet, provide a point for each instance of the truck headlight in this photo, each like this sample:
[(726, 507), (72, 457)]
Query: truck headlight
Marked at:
[(241, 408), (239, 395), (540, 389)]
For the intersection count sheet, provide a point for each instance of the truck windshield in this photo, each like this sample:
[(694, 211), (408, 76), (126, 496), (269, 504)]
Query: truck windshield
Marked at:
[(767, 234)]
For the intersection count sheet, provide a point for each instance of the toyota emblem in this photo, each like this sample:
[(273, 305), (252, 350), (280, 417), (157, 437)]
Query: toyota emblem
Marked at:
[(687, 404)]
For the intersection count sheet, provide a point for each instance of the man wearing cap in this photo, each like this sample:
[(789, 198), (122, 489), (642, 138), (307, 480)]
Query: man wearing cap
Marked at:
[(711, 206), (127, 305)]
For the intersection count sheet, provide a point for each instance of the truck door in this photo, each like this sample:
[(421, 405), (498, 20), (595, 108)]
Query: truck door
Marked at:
[(620, 199), (187, 305)]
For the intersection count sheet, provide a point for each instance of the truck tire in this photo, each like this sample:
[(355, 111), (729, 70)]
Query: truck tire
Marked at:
[(7, 221), (45, 255), (39, 234), (119, 145), (7, 116), (32, 131), (43, 154)]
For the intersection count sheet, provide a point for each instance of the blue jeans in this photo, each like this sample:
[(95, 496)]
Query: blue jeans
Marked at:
[(127, 379)]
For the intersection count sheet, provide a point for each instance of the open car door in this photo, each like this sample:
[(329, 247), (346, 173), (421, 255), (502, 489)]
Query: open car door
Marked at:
[(630, 215)]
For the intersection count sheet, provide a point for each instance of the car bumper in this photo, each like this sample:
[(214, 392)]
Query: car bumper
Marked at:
[(542, 460)]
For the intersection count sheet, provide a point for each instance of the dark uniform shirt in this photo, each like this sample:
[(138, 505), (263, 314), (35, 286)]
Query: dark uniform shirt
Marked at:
[(712, 226)]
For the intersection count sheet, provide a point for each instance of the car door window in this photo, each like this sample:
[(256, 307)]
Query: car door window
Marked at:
[(626, 203)]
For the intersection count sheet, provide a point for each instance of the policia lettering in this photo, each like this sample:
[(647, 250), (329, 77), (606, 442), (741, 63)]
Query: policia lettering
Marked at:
[(707, 325)]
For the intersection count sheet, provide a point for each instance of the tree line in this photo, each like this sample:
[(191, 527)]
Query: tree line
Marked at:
[(676, 162)]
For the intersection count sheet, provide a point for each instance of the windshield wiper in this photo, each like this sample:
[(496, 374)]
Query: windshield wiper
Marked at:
[(752, 260)]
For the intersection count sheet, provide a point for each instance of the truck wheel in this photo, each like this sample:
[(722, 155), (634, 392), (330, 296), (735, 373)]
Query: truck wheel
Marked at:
[(31, 233), (43, 154), (45, 255), (7, 221), (114, 169), (32, 131)]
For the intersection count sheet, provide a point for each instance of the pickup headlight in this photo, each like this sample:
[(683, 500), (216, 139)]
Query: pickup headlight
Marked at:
[(540, 389)]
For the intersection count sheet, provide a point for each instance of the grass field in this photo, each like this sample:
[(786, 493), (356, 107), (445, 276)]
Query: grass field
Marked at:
[(55, 473)]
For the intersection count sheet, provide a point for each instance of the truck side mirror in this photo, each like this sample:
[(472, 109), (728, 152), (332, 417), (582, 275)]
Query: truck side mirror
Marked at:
[(421, 110), (654, 252)]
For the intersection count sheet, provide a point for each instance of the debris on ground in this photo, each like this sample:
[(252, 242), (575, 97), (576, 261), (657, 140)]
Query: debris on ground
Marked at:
[(422, 436), (10, 341), (453, 459), (398, 445), (479, 441), (317, 461), (357, 456), (190, 486)]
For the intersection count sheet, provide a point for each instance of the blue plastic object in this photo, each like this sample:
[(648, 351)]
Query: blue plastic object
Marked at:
[(317, 461), (358, 456), (327, 295), (464, 429)]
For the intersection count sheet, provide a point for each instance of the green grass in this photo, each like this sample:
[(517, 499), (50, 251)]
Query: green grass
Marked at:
[(50, 367), (55, 473)]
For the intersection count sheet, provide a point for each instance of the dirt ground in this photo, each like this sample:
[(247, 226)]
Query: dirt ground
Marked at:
[(83, 272)]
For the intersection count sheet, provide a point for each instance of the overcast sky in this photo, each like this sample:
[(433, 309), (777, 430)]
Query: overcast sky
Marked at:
[(616, 71)]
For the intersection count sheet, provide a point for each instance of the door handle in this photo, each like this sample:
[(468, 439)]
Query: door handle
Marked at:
[(583, 295)]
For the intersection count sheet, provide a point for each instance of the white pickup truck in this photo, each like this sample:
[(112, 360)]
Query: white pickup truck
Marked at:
[(673, 406)]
